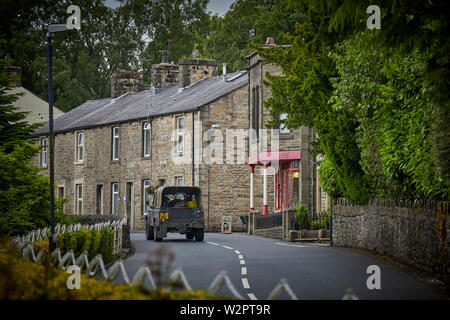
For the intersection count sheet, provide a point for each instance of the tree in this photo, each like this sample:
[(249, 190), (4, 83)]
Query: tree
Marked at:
[(24, 192), (421, 26), (373, 110)]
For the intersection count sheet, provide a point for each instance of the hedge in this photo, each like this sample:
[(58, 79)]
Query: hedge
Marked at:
[(21, 279), (92, 241)]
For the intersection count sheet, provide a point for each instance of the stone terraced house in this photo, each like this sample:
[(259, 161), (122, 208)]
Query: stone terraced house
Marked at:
[(108, 151)]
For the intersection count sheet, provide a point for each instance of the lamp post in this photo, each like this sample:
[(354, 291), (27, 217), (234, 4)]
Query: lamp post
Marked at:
[(51, 30)]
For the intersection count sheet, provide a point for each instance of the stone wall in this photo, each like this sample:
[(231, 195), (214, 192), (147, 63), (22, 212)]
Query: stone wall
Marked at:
[(272, 233), (417, 235)]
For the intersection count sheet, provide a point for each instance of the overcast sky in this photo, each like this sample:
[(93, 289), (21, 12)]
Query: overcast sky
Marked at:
[(215, 6)]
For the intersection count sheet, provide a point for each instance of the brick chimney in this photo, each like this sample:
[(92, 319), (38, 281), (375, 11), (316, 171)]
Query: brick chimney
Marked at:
[(193, 69), (164, 73), (126, 82)]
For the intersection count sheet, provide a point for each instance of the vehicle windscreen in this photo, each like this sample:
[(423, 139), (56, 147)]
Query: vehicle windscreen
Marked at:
[(180, 200)]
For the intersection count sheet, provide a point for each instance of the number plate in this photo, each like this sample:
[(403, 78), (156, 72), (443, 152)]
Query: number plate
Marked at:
[(164, 215)]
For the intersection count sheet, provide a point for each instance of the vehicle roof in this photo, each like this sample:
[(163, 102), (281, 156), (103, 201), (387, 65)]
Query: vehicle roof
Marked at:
[(169, 189)]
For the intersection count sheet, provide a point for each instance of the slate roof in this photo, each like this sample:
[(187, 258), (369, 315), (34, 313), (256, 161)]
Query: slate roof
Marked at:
[(37, 108), (146, 104)]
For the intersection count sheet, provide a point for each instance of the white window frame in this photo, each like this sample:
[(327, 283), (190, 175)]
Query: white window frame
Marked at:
[(282, 128), (180, 134), (44, 152), (115, 136), (146, 130), (79, 198), (114, 203), (178, 179), (145, 185), (80, 146)]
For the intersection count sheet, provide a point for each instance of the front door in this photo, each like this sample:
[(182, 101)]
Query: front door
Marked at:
[(129, 204)]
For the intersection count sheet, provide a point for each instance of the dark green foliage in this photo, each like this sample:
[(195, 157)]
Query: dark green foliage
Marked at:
[(24, 192), (91, 241), (106, 244), (302, 217), (374, 108)]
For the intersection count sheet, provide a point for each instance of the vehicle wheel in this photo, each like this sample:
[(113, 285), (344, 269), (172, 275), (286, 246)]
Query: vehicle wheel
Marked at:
[(149, 232), (154, 235), (199, 235), (189, 235)]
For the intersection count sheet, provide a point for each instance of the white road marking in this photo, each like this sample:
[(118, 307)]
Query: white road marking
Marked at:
[(244, 271), (242, 261), (214, 244), (289, 245), (245, 283), (227, 247), (241, 256), (252, 296), (237, 252)]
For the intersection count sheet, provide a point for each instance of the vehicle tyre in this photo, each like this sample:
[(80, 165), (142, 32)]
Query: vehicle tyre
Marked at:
[(189, 235), (199, 235), (149, 232), (157, 239)]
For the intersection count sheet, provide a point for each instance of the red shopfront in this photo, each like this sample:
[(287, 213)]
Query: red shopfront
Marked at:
[(287, 178)]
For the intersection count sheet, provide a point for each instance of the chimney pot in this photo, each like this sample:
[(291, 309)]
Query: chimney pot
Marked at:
[(270, 41)]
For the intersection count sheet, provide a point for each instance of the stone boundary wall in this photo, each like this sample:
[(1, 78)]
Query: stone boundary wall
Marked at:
[(416, 234), (272, 233)]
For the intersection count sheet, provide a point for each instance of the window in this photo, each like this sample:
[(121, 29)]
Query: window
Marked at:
[(115, 143), (44, 152), (180, 134), (80, 146), (282, 127), (179, 181), (79, 198), (60, 192), (146, 139), (146, 197), (114, 198)]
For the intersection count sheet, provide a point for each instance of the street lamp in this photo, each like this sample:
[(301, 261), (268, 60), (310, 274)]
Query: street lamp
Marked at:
[(53, 28)]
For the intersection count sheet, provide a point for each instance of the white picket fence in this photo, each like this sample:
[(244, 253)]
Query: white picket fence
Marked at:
[(143, 276)]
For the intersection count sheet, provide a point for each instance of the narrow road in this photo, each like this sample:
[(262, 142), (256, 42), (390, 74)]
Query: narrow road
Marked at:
[(255, 265)]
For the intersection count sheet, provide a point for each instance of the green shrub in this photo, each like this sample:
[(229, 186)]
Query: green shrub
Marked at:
[(95, 243), (106, 244), (302, 217), (316, 225)]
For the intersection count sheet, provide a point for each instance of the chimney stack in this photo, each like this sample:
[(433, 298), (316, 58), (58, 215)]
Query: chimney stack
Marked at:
[(16, 74), (165, 56), (193, 69), (126, 82), (164, 73)]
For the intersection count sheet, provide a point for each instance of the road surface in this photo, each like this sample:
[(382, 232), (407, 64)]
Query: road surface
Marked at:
[(256, 265)]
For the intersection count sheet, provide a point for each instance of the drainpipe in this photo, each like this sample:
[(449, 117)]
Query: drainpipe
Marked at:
[(193, 149), (312, 175)]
